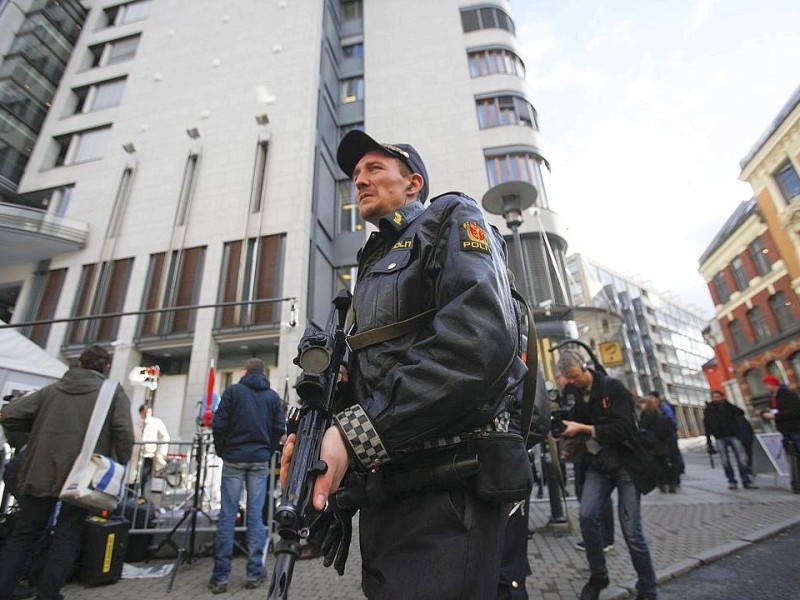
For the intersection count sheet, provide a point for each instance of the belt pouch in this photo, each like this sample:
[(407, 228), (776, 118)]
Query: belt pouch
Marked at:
[(505, 471)]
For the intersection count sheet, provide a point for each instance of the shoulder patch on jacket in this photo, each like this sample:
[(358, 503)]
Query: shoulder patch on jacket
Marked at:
[(473, 238)]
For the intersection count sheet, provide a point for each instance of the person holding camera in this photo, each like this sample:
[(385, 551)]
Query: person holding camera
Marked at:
[(720, 420), (606, 421), (784, 411)]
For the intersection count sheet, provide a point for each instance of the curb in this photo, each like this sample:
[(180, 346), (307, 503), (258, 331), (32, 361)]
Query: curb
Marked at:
[(623, 591)]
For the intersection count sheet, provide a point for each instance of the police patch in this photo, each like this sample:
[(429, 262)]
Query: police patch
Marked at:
[(402, 245), (473, 238)]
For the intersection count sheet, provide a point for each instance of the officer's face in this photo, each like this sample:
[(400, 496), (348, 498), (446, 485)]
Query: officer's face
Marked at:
[(381, 185)]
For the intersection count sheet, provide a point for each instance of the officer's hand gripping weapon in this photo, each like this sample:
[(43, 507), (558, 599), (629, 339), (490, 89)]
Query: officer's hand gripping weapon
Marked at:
[(319, 355)]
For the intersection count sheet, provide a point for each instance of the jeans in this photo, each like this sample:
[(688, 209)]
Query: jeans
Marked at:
[(596, 491), (733, 443), (34, 517), (234, 477), (793, 457)]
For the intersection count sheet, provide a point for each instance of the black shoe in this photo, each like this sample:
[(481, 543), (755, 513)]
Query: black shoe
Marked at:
[(645, 596), (591, 591), (252, 584), (750, 486)]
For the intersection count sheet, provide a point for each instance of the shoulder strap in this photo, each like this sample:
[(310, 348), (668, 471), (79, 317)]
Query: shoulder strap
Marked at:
[(99, 413), (388, 332), (532, 362)]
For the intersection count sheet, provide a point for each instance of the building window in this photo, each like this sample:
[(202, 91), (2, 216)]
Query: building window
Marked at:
[(257, 191), (517, 166), (82, 146), (99, 96), (352, 10), (495, 60), (353, 50), (788, 181), (758, 323), (114, 52), (737, 335), (187, 189), (782, 309), (739, 275), (129, 12), (254, 274), (505, 110), (100, 291), (486, 18), (345, 278), (46, 309), (352, 90), (349, 216), (721, 285), (171, 285), (760, 255)]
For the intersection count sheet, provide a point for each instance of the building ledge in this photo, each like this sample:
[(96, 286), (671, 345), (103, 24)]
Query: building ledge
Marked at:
[(31, 235)]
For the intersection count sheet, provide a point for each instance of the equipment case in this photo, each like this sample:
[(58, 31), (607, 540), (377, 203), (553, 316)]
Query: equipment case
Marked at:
[(103, 550)]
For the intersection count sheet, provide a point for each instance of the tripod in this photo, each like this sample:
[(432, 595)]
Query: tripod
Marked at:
[(187, 553)]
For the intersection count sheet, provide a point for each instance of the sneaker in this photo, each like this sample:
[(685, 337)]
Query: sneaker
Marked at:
[(218, 588), (750, 486), (732, 485), (579, 545), (252, 584), (591, 591)]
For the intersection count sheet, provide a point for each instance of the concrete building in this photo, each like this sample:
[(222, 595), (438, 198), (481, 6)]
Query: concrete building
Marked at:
[(753, 265), (662, 340), (187, 159)]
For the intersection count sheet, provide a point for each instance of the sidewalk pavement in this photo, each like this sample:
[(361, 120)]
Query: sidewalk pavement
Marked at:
[(703, 522)]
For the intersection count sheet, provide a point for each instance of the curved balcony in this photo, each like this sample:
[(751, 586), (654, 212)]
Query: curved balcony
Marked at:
[(31, 235)]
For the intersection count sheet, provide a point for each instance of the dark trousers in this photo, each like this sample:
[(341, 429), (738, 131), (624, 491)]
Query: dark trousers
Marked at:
[(436, 545), (34, 516)]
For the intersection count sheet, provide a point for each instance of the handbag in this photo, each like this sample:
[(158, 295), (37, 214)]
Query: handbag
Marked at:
[(95, 482)]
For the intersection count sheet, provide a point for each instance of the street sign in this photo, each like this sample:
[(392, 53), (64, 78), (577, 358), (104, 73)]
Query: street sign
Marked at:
[(611, 354)]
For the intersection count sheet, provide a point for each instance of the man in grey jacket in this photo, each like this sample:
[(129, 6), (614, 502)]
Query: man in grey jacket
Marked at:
[(56, 418)]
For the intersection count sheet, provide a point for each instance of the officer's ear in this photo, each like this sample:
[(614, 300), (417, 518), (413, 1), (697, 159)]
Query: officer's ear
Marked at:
[(414, 184)]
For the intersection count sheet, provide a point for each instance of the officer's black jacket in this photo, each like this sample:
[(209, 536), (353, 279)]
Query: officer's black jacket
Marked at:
[(449, 376)]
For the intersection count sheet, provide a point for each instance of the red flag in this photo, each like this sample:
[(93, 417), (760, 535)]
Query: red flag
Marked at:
[(208, 414)]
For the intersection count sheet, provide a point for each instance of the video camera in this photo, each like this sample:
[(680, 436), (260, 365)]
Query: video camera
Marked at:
[(560, 406)]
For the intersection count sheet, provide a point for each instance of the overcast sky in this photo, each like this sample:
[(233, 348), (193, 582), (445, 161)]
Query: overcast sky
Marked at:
[(646, 108)]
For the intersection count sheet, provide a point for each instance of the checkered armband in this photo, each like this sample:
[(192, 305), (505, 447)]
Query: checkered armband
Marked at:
[(365, 443)]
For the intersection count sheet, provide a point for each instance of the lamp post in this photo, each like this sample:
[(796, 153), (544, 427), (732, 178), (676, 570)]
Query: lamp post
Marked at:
[(509, 200)]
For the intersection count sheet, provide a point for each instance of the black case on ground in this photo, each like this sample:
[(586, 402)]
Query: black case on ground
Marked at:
[(103, 550)]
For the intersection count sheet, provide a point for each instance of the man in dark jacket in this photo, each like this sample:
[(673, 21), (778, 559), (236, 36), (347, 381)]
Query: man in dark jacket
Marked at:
[(785, 411), (605, 418), (248, 426), (720, 420), (57, 417)]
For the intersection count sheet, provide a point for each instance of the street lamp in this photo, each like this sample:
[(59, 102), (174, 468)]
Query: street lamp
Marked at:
[(509, 200)]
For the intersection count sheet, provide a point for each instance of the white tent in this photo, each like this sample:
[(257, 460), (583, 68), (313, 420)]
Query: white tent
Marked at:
[(24, 365)]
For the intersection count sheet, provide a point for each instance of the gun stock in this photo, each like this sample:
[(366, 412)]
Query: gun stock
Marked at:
[(320, 355)]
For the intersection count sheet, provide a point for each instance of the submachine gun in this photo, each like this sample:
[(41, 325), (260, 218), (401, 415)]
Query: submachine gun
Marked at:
[(319, 355)]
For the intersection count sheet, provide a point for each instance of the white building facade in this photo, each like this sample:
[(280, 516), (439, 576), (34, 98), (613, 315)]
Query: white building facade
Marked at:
[(192, 149)]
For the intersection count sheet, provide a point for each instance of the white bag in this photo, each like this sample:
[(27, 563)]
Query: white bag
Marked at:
[(95, 482)]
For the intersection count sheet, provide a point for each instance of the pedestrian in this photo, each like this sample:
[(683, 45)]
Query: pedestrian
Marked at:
[(720, 421), (785, 412), (573, 449), (56, 417), (607, 421), (659, 432), (677, 465), (418, 398), (153, 445), (248, 424)]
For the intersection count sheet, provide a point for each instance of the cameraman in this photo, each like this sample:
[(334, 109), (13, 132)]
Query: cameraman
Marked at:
[(606, 417)]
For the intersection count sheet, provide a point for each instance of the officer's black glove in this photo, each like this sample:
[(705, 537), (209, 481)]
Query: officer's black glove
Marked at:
[(331, 533)]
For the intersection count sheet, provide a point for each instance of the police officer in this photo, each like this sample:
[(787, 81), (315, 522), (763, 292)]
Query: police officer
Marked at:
[(418, 396), (606, 419)]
